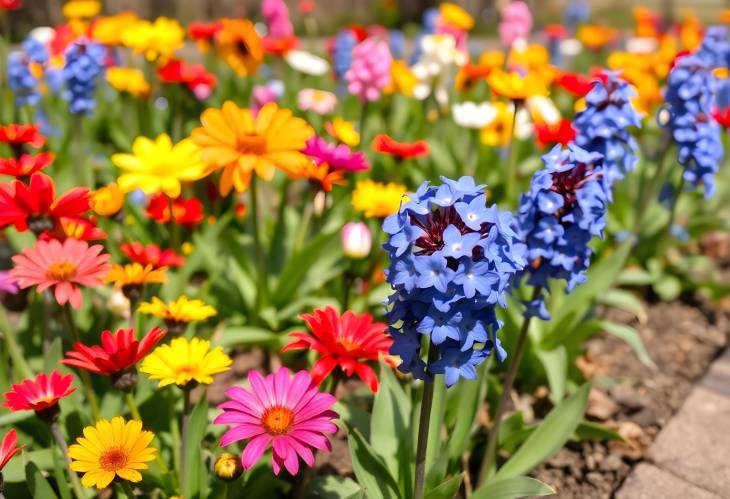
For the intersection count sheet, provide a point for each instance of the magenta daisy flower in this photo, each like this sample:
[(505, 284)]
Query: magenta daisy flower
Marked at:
[(286, 413), (338, 157), (7, 283)]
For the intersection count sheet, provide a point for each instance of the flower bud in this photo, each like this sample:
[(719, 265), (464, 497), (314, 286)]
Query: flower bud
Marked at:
[(118, 304), (356, 240), (228, 467)]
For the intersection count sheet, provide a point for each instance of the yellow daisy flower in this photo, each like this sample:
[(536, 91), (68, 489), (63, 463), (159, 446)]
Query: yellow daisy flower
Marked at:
[(344, 131), (110, 449), (498, 132), (128, 80), (516, 86), (232, 139), (109, 29), (180, 311), (159, 166), (156, 40), (184, 361), (454, 15), (108, 200), (132, 277), (376, 199), (81, 9)]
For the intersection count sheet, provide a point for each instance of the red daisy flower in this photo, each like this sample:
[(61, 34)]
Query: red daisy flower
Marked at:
[(575, 83), (152, 255), (386, 144), (26, 165), (8, 449), (194, 76), (40, 394), (118, 352), (188, 212), (36, 206), (279, 45), (558, 133), (347, 341), (204, 31), (722, 116), (18, 135)]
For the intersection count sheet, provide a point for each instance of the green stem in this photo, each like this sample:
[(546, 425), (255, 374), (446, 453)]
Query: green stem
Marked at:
[(363, 120), (647, 195), (132, 405), (187, 406), (85, 378), (511, 181), (673, 209), (61, 442), (127, 488), (490, 455), (173, 227), (14, 349), (424, 421), (174, 430)]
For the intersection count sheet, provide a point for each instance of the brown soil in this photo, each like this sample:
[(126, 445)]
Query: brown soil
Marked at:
[(636, 400)]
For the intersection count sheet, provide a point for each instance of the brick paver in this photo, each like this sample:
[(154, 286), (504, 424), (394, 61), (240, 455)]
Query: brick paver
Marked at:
[(691, 456)]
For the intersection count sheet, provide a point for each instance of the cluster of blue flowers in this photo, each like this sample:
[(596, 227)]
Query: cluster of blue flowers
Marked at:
[(451, 261), (564, 208), (603, 127), (345, 41), (715, 47), (23, 81), (690, 96), (84, 65)]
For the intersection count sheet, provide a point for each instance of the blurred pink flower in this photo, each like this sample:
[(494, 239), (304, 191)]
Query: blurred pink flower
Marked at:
[(276, 13), (7, 283), (369, 73), (263, 94), (516, 23), (338, 157), (318, 101)]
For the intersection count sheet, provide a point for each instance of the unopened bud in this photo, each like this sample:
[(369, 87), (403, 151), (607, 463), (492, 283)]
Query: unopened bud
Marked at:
[(357, 240), (228, 467)]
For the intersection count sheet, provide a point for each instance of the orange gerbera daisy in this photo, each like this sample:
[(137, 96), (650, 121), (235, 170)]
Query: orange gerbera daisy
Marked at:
[(320, 175), (240, 46), (232, 139)]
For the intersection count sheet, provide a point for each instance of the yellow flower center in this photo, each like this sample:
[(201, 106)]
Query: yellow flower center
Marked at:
[(251, 143), (277, 420), (113, 459), (348, 344), (61, 271)]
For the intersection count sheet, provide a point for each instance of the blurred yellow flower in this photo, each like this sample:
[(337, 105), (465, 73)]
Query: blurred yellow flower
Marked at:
[(402, 79), (498, 132), (181, 310), (134, 274), (111, 449), (375, 199), (240, 46), (158, 166), (108, 200), (109, 29), (454, 15), (515, 86), (128, 80), (596, 37), (690, 32), (183, 362), (232, 139), (343, 130), (156, 40), (81, 9)]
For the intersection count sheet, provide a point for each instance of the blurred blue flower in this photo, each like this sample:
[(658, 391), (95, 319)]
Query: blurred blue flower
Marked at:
[(451, 261), (345, 41), (557, 231), (397, 44), (84, 65), (20, 79), (576, 12)]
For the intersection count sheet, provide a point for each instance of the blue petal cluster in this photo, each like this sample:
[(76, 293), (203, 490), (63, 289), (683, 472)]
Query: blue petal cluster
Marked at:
[(564, 208), (345, 41), (21, 80), (689, 98), (715, 47), (603, 127), (451, 260), (84, 65), (397, 43)]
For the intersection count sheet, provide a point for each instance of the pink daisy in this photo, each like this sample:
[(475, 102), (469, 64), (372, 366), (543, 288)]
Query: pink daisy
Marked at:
[(39, 394), (338, 157), (286, 413), (62, 266)]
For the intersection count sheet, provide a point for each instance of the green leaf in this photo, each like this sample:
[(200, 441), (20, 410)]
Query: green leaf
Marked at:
[(390, 417), (588, 430), (447, 489), (470, 395), (333, 487), (625, 300), (630, 336), (549, 436), (371, 472), (634, 276), (668, 287), (555, 363), (192, 479), (38, 485), (512, 488), (14, 470), (245, 335)]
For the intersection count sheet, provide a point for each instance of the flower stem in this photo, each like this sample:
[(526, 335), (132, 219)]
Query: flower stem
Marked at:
[(511, 181), (132, 405), (174, 430), (424, 421), (645, 195), (185, 422), (11, 343), (174, 228), (85, 378), (127, 488), (61, 442), (490, 455)]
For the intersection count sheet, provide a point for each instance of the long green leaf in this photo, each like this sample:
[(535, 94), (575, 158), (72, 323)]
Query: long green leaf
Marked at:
[(37, 484), (192, 480), (447, 489), (630, 336), (371, 472), (245, 335), (513, 488), (549, 436)]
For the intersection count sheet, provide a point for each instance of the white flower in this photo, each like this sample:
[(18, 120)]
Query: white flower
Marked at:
[(473, 115), (571, 47), (438, 54), (523, 123), (42, 34), (307, 62), (543, 109), (643, 45)]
